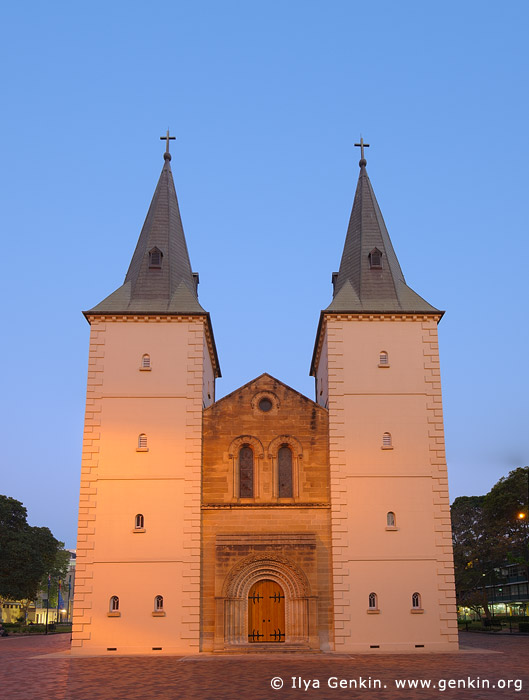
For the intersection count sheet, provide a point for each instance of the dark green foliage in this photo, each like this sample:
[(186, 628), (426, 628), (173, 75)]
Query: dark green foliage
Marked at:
[(26, 553), (504, 503), (487, 533)]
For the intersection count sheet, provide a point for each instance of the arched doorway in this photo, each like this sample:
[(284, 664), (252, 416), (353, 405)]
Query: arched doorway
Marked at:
[(234, 624), (266, 612)]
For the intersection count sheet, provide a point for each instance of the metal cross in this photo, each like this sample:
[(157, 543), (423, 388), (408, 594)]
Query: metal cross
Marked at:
[(362, 146), (168, 138)]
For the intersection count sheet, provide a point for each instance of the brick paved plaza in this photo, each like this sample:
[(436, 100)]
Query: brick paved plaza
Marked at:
[(37, 668)]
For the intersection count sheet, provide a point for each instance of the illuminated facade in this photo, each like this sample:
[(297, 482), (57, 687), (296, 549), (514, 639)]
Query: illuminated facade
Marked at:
[(264, 518)]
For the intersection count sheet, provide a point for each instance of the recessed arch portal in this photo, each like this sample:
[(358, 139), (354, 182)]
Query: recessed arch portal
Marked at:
[(242, 580)]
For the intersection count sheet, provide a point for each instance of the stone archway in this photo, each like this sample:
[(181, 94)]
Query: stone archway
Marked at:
[(300, 615)]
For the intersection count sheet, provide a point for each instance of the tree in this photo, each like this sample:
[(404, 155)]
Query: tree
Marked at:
[(503, 505), (487, 533), (26, 553), (477, 551)]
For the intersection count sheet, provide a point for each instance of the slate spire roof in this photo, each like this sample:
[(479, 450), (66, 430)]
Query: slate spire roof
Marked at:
[(360, 285), (159, 279)]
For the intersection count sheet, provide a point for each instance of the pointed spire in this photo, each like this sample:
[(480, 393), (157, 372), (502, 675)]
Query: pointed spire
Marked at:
[(370, 278), (160, 278)]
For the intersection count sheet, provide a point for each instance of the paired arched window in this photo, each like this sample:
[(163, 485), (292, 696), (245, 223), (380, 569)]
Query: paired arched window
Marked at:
[(416, 601), (284, 469), (139, 522), (158, 602), (391, 521), (146, 361), (373, 601), (142, 442), (246, 475), (386, 440), (114, 604), (383, 359)]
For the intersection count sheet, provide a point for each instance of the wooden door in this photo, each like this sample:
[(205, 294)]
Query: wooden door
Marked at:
[(266, 612)]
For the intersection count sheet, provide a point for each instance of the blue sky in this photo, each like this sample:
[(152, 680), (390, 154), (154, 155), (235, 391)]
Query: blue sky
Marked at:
[(266, 100)]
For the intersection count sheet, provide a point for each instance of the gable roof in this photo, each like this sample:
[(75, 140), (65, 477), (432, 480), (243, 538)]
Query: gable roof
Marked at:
[(264, 375)]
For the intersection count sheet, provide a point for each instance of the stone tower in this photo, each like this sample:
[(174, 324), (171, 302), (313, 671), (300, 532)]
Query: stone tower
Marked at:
[(152, 370), (376, 366)]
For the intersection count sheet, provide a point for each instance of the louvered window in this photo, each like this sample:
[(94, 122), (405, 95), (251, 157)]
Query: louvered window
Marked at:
[(384, 358), (146, 362), (375, 259), (386, 440), (142, 441), (155, 257), (390, 519)]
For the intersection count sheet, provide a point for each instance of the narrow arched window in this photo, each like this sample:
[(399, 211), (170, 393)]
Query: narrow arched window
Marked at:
[(246, 472), (390, 519), (155, 258), (146, 361), (158, 602), (386, 440), (139, 522), (284, 469), (373, 601), (383, 359), (114, 604), (416, 600), (142, 441)]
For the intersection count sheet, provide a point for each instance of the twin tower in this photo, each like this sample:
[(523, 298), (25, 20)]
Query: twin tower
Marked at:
[(264, 519)]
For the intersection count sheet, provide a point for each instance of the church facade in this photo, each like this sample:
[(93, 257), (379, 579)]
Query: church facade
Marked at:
[(264, 520)]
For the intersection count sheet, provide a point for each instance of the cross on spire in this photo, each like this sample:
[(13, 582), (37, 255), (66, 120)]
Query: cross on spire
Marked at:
[(167, 138), (362, 145)]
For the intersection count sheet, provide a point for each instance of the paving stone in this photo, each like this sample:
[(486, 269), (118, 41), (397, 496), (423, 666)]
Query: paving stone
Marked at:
[(30, 670)]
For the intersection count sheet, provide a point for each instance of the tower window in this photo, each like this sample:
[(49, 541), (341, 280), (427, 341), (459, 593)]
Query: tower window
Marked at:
[(158, 607), (155, 258), (383, 360), (246, 472), (114, 604), (139, 522), (284, 469), (142, 443), (387, 443), (375, 259), (416, 601), (373, 601), (390, 519), (145, 362)]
